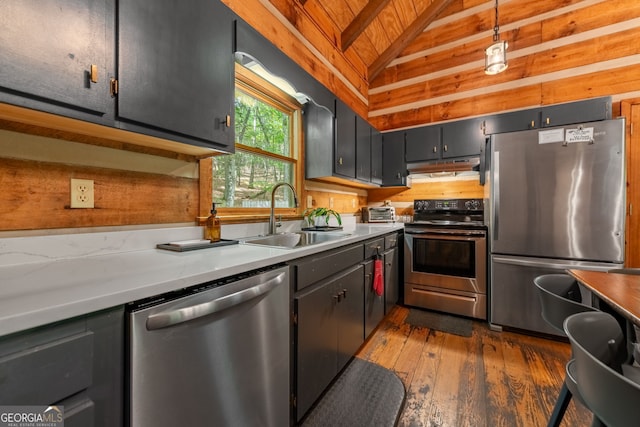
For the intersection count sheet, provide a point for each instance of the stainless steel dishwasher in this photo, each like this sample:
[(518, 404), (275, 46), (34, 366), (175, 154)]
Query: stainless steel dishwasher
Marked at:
[(212, 355)]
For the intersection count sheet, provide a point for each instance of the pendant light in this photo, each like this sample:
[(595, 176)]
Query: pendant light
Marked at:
[(496, 54)]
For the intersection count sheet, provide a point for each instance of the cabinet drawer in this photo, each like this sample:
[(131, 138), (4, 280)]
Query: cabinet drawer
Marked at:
[(373, 247), (390, 241), (47, 373), (324, 265)]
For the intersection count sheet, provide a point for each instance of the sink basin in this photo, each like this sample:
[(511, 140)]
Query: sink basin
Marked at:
[(294, 240)]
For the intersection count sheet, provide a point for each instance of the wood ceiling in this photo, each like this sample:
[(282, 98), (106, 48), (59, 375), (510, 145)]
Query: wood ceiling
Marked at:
[(406, 63)]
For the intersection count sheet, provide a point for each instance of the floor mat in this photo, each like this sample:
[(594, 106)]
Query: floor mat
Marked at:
[(365, 394), (440, 322)]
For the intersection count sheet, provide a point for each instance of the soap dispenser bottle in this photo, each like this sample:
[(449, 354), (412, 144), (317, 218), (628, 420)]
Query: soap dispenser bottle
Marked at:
[(212, 226)]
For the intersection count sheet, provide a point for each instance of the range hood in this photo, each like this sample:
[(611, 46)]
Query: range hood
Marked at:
[(451, 165)]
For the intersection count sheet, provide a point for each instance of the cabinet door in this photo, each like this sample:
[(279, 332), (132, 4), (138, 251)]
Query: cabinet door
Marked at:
[(175, 70), (345, 142), (394, 168), (373, 303), (350, 291), (49, 49), (423, 143), (462, 139), (391, 285), (577, 112), (316, 341), (512, 122), (363, 149), (376, 156)]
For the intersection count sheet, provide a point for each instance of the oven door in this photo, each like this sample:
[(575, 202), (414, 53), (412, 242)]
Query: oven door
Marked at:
[(446, 270)]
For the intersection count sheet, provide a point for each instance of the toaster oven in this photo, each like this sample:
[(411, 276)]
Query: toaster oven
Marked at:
[(379, 214)]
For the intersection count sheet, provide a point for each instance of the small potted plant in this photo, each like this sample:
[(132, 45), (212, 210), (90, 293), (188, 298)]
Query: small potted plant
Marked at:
[(319, 217)]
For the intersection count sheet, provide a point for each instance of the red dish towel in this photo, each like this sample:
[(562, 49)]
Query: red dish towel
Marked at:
[(378, 277)]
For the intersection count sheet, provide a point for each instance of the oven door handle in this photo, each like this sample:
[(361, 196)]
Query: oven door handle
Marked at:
[(446, 233)]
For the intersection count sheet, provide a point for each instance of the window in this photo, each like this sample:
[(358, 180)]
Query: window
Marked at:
[(267, 131)]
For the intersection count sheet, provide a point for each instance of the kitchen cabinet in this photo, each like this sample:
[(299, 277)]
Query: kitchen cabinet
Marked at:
[(391, 271), (328, 319), (77, 363), (459, 139), (363, 149), (587, 110), (394, 167), (58, 56), (423, 143), (376, 156), (175, 71), (329, 331), (345, 141), (373, 303)]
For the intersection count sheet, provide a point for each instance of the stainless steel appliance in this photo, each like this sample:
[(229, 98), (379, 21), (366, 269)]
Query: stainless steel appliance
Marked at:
[(379, 214), (445, 257), (557, 202), (214, 354)]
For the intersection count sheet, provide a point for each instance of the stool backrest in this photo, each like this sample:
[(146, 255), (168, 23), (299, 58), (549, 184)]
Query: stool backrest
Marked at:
[(598, 344), (560, 298)]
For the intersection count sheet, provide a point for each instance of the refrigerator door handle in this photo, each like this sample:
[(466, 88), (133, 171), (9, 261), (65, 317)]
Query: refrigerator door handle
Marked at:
[(552, 264), (496, 193)]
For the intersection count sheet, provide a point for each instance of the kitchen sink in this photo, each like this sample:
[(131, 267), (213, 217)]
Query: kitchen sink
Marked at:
[(298, 239)]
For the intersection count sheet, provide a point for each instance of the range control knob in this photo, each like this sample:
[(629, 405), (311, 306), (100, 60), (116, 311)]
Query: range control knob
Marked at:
[(419, 205), (472, 204)]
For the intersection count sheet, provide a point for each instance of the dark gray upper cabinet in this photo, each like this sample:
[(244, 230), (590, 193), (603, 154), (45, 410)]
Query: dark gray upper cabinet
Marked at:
[(376, 156), (345, 141), (458, 139), (318, 124), (463, 138), (423, 143), (363, 149), (57, 56), (394, 167), (588, 110), (175, 71)]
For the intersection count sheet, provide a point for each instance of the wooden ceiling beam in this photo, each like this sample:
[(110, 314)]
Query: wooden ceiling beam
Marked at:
[(408, 35), (360, 22)]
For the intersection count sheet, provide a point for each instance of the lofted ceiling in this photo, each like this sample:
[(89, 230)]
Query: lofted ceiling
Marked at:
[(406, 63)]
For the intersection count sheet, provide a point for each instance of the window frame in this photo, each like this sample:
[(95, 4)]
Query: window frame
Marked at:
[(256, 86)]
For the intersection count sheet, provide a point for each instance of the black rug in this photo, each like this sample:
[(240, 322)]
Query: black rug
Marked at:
[(365, 394), (440, 322)]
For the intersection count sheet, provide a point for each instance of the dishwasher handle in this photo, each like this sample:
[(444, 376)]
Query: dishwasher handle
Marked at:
[(181, 315)]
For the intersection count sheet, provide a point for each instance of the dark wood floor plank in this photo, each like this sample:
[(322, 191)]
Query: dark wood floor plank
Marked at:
[(496, 379)]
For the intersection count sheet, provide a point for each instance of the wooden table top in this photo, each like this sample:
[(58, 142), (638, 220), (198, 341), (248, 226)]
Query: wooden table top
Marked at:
[(621, 291)]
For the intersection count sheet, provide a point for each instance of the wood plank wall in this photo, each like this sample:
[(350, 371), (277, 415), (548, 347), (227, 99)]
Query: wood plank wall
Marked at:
[(559, 51)]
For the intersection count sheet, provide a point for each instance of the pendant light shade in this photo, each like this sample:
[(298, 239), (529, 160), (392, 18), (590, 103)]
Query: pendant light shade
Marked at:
[(496, 55)]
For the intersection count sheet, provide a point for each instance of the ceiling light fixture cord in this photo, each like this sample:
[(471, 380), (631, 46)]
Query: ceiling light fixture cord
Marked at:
[(496, 29)]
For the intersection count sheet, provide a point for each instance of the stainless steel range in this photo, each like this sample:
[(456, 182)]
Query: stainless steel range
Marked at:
[(446, 257)]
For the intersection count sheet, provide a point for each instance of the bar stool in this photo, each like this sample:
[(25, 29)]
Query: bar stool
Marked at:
[(560, 297), (633, 331), (599, 348)]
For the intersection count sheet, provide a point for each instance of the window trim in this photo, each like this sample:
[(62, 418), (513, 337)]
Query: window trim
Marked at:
[(265, 91)]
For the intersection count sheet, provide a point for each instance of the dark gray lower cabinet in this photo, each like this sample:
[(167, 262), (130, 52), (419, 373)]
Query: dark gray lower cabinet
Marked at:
[(76, 363), (373, 303), (391, 285), (329, 331)]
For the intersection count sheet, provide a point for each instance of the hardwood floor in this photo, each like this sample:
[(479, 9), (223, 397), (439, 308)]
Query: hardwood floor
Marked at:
[(489, 379)]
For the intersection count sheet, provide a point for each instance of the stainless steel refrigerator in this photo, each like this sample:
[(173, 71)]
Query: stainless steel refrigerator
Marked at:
[(557, 202)]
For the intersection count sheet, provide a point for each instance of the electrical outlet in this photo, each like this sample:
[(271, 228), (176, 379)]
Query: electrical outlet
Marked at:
[(309, 202), (353, 203), (82, 193), (330, 202)]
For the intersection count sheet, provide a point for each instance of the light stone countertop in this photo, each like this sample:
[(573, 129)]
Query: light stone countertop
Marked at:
[(50, 278)]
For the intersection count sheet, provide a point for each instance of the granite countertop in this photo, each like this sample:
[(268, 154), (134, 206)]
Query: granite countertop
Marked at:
[(50, 278)]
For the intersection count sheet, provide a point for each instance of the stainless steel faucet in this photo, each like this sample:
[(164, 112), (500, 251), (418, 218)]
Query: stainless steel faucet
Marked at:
[(272, 219)]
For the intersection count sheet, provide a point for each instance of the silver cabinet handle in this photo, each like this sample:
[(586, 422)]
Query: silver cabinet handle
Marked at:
[(181, 315)]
